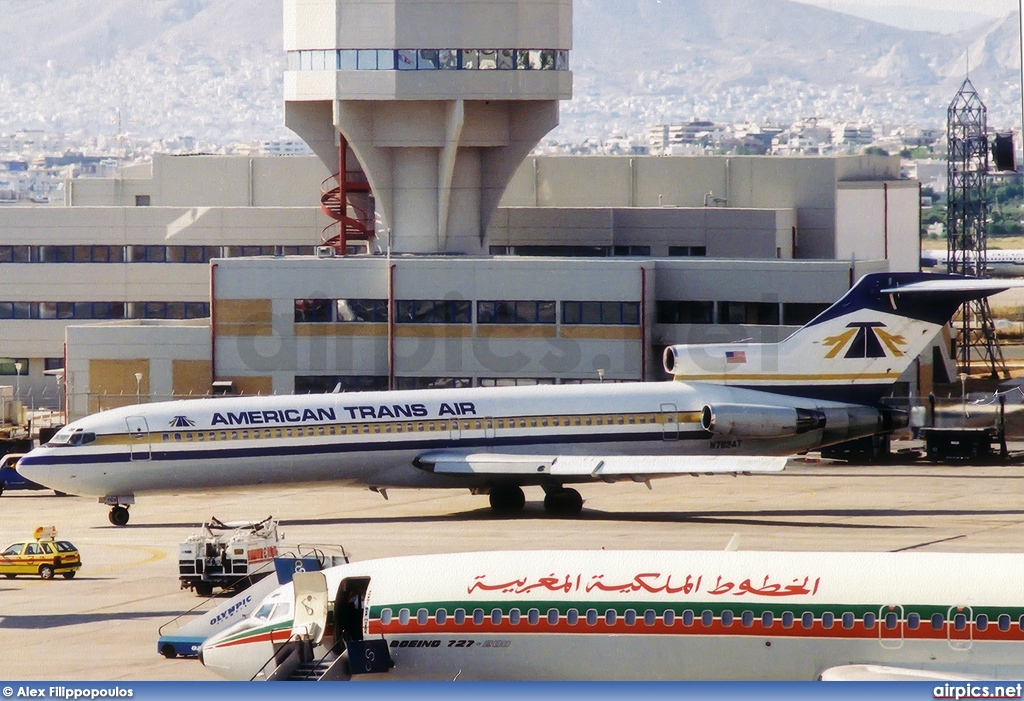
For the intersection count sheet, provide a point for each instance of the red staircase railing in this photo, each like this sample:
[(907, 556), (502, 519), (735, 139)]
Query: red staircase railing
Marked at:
[(337, 204)]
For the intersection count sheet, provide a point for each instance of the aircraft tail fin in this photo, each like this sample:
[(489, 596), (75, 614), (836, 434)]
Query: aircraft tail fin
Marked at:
[(853, 351)]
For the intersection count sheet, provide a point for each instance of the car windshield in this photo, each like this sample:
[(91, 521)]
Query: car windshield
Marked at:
[(14, 549)]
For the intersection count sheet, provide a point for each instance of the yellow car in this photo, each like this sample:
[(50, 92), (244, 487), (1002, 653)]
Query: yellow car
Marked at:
[(44, 556)]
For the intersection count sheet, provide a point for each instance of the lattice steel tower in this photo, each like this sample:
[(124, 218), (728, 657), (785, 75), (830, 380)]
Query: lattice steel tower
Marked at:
[(966, 217)]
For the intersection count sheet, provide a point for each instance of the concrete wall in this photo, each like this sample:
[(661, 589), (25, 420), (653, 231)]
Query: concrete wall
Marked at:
[(210, 181), (103, 359)]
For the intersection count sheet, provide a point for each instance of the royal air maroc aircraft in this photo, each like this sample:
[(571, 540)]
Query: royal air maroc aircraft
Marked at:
[(820, 386), (639, 615)]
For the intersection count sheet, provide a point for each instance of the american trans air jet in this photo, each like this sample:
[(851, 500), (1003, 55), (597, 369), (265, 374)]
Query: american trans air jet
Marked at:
[(634, 615), (727, 403)]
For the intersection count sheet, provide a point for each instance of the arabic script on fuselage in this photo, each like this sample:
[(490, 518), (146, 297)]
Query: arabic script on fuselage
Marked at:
[(649, 582)]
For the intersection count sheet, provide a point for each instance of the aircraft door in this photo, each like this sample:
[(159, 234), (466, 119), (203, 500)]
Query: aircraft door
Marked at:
[(310, 610), (138, 438), (890, 627), (670, 425), (959, 627)]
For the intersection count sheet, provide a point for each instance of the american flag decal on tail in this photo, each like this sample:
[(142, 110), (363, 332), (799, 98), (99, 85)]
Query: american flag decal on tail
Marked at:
[(735, 357)]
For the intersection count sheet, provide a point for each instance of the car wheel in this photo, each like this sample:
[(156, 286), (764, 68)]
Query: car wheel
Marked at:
[(168, 651), (69, 574), (204, 589), (45, 572)]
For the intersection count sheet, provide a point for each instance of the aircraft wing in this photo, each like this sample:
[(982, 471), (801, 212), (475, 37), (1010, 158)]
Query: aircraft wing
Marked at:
[(885, 673), (594, 467)]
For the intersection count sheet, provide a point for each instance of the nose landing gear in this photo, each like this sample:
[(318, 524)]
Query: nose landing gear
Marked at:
[(119, 515)]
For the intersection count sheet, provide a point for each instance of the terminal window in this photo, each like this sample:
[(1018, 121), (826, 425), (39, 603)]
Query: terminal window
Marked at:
[(433, 311), (603, 313), (515, 312)]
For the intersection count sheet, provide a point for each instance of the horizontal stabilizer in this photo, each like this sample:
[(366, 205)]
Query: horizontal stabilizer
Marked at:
[(883, 673), (967, 286), (596, 467)]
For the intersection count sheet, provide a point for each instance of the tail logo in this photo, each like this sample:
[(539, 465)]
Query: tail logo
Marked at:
[(865, 339), (181, 422)]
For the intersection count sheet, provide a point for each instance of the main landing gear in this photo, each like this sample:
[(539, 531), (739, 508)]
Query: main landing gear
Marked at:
[(562, 501), (558, 500)]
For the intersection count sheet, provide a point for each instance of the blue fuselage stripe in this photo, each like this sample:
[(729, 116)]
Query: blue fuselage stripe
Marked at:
[(216, 450)]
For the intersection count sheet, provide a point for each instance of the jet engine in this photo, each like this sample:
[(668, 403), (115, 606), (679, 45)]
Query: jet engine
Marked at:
[(759, 420)]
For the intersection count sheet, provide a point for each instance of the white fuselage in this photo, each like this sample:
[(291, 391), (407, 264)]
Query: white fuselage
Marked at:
[(645, 615), (373, 438)]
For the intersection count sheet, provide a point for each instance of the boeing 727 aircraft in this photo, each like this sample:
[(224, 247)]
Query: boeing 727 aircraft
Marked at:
[(820, 386), (633, 615)]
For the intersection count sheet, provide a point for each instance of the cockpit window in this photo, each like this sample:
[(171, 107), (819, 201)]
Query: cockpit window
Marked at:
[(76, 436), (264, 612), (61, 437), (282, 612)]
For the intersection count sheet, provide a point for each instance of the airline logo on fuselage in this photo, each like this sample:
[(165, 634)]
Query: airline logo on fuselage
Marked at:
[(865, 339), (321, 414)]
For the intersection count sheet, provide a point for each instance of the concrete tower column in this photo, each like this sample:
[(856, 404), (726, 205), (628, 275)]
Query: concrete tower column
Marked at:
[(440, 100)]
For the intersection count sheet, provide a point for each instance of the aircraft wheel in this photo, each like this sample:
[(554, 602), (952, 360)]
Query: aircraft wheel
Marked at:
[(45, 572), (507, 500), (564, 502), (119, 516)]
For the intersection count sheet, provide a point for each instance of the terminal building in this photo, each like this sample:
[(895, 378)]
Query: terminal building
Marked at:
[(479, 264)]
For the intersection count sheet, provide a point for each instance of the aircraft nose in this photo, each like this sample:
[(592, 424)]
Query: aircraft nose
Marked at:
[(32, 467)]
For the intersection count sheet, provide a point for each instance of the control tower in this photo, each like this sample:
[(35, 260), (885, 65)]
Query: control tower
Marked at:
[(439, 100)]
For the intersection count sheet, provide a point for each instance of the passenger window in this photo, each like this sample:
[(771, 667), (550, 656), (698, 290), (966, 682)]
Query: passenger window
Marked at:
[(398, 428), (650, 617), (747, 619), (598, 421), (165, 437), (630, 617), (726, 618), (201, 437), (913, 621), (848, 620), (533, 423), (177, 437), (544, 422), (959, 621), (669, 617), (277, 433), (618, 420), (245, 435), (403, 617), (610, 616), (478, 616), (587, 421), (533, 617), (687, 618), (938, 620), (332, 429), (591, 617), (496, 616), (341, 429), (441, 615), (632, 419), (869, 620), (572, 617), (188, 436), (767, 619), (385, 616), (460, 616), (553, 617), (891, 620), (1004, 622), (234, 435), (981, 622), (827, 620), (807, 620), (513, 617), (1020, 622), (707, 618), (320, 430), (787, 619), (421, 617)]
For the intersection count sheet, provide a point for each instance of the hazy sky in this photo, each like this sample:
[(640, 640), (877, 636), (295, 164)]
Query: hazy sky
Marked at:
[(992, 8)]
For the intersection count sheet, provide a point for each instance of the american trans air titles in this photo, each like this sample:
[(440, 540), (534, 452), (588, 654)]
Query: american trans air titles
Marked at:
[(728, 405), (321, 414)]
